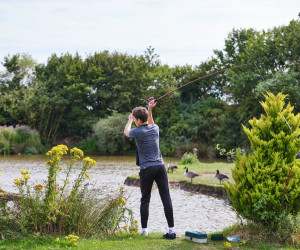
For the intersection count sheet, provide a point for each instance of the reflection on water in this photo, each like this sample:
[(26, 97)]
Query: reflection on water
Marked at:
[(191, 211)]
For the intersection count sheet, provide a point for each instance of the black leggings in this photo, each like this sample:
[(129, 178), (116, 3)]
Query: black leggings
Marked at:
[(147, 176)]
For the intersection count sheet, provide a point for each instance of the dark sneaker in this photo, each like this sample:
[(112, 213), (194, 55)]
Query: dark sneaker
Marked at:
[(170, 236)]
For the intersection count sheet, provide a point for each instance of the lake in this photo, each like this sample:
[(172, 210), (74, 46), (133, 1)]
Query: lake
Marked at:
[(191, 211)]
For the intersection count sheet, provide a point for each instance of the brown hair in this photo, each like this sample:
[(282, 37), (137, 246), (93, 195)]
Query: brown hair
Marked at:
[(140, 113)]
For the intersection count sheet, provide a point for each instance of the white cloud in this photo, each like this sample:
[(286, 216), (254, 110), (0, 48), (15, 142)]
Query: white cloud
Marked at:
[(182, 32)]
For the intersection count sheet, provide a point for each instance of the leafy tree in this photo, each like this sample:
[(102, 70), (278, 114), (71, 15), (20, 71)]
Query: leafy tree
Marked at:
[(14, 81), (196, 124), (68, 95), (267, 181), (282, 82)]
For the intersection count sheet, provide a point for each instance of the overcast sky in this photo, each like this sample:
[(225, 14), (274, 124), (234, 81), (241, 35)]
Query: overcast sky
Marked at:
[(181, 31)]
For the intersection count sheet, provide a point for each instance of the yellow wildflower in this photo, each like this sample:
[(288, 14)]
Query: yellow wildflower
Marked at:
[(227, 244), (1, 190), (5, 193), (23, 172), (123, 201), (77, 152), (136, 222), (89, 161), (1, 194), (72, 238), (28, 188), (26, 177), (38, 187), (87, 175), (58, 151), (121, 188), (57, 239), (19, 181)]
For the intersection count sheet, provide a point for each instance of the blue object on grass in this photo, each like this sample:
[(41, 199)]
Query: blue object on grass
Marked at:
[(233, 238)]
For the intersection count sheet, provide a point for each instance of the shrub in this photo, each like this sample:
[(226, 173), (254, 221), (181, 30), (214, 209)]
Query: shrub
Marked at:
[(6, 137), (19, 139), (267, 181), (110, 136), (89, 145), (189, 158), (66, 209)]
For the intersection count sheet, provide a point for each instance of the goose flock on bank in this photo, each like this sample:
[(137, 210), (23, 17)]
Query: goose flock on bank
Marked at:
[(192, 175)]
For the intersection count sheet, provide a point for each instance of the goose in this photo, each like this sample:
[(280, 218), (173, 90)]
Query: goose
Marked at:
[(190, 174), (172, 168), (221, 177)]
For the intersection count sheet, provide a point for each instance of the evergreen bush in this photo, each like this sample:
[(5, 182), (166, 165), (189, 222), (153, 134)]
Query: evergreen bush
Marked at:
[(267, 181)]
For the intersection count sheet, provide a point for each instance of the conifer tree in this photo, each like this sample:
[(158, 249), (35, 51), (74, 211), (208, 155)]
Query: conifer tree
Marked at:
[(267, 180)]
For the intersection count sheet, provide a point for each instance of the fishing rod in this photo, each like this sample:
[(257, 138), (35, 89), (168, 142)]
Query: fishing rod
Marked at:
[(202, 77), (288, 124)]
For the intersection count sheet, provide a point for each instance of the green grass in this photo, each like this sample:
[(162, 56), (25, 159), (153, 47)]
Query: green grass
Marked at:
[(130, 241), (206, 171)]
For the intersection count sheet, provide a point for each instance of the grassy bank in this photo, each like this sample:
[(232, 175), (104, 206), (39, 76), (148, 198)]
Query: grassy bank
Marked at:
[(206, 171), (133, 241)]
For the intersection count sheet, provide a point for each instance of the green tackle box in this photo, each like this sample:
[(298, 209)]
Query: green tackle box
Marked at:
[(195, 236)]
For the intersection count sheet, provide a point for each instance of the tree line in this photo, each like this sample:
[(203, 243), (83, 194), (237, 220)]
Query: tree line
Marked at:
[(74, 97)]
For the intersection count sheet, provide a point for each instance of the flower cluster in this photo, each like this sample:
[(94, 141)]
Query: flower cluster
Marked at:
[(27, 131), (135, 228), (132, 229), (2, 192), (25, 174), (227, 244), (19, 181), (77, 153), (38, 187), (89, 161), (72, 238), (22, 180), (56, 154), (21, 129)]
